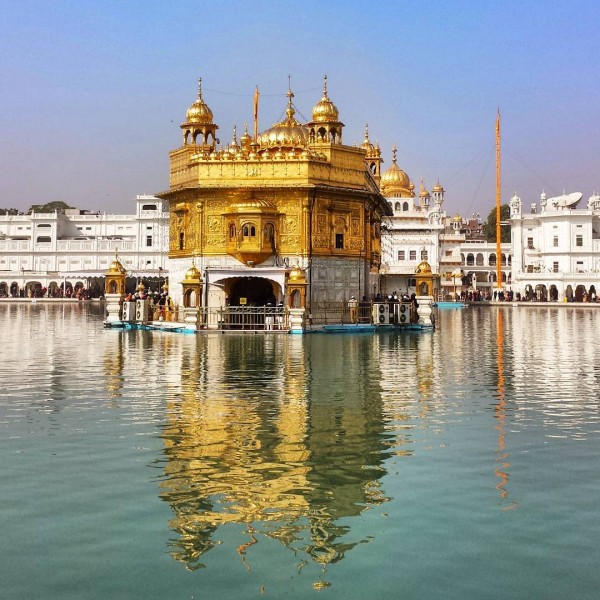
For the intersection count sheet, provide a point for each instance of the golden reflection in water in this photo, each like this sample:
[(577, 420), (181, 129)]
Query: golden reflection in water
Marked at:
[(273, 455)]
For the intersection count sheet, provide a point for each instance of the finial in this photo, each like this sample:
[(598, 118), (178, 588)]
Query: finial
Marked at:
[(325, 85), (394, 150), (199, 88), (366, 132), (234, 141), (245, 128), (422, 186)]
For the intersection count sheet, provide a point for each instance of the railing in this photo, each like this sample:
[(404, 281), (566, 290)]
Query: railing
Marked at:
[(332, 313), (245, 318)]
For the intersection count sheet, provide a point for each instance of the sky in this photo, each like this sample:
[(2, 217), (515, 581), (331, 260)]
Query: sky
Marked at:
[(92, 93)]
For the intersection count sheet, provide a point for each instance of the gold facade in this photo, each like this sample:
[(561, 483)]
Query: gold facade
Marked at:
[(291, 191)]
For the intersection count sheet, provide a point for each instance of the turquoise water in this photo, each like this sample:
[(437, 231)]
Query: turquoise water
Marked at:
[(461, 463)]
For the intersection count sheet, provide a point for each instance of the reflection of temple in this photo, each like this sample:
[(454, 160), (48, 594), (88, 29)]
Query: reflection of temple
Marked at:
[(276, 454)]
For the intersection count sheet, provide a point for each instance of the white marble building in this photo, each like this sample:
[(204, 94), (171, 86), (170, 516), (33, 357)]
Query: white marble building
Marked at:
[(73, 250), (556, 247)]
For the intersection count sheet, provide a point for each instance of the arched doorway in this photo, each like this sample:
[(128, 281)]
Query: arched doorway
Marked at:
[(540, 292), (579, 292), (553, 293), (251, 291)]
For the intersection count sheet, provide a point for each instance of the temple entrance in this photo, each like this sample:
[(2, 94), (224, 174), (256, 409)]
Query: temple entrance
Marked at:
[(251, 291)]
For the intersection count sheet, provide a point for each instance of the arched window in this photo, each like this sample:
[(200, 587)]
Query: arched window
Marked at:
[(249, 230), (492, 260), (470, 260), (43, 238), (397, 207), (405, 206), (503, 258), (231, 231), (269, 232), (479, 259)]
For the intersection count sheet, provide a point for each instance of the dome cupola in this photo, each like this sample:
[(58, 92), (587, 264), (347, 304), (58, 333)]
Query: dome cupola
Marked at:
[(199, 112), (325, 111)]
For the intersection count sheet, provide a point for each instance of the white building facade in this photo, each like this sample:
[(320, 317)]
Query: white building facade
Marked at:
[(556, 248), (66, 252)]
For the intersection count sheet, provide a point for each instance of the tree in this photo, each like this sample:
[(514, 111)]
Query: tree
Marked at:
[(49, 207), (489, 227)]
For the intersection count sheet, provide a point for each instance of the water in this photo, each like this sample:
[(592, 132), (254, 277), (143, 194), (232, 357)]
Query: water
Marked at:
[(456, 464)]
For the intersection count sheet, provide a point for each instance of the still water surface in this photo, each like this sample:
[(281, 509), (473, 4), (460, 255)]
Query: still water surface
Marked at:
[(461, 463)]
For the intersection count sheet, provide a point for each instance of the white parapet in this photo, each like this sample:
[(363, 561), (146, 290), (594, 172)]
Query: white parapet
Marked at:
[(113, 307), (297, 320)]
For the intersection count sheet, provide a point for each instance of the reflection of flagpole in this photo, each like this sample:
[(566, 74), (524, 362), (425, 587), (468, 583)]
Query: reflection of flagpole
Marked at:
[(501, 454), (256, 114), (498, 209)]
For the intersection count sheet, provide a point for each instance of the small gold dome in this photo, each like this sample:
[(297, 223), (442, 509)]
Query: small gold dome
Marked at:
[(423, 267), (438, 187), (297, 275), (367, 145), (423, 193), (457, 218), (395, 183), (116, 268), (199, 113), (325, 111), (245, 138), (250, 203), (192, 274)]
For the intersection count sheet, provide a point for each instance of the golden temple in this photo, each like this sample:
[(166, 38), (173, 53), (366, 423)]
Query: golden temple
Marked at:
[(293, 195)]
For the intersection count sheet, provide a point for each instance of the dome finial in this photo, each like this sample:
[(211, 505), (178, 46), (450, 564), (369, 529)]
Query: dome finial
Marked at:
[(394, 150), (325, 86), (366, 132), (199, 88), (290, 112)]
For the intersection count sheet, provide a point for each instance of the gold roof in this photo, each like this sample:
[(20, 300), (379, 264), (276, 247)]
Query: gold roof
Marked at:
[(395, 183), (199, 112), (289, 133), (423, 267), (325, 111), (250, 203), (423, 193), (116, 268), (245, 138)]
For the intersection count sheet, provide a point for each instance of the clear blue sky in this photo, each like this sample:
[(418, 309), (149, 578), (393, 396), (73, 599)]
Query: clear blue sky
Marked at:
[(92, 93)]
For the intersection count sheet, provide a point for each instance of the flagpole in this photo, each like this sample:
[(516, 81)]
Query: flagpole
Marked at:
[(256, 114)]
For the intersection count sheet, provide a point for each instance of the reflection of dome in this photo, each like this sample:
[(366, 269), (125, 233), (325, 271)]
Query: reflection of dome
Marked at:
[(423, 267), (325, 111), (289, 133), (395, 182), (199, 113)]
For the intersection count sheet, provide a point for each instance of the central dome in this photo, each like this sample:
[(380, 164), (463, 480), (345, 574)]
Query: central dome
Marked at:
[(289, 133)]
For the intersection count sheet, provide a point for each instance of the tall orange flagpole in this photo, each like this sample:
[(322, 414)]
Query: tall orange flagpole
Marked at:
[(256, 114), (498, 229)]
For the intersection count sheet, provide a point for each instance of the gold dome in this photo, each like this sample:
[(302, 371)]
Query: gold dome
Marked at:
[(395, 183), (423, 267), (199, 113), (245, 138), (423, 193), (116, 268), (289, 133), (192, 274), (367, 145), (325, 111), (297, 275), (438, 187)]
